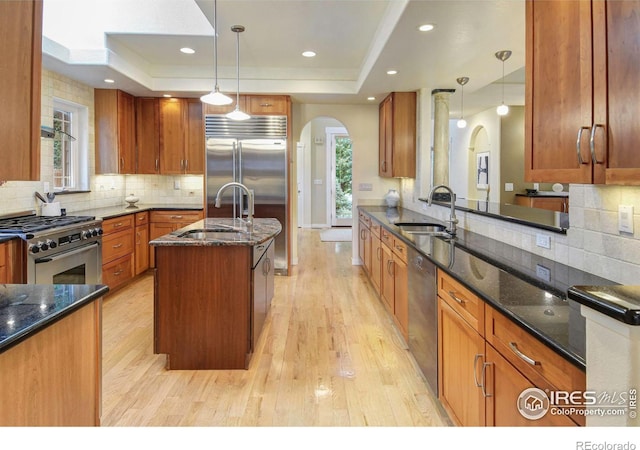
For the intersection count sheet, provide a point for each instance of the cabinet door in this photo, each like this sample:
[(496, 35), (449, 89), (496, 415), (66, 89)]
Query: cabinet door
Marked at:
[(268, 105), (213, 109), (616, 65), (376, 262), (460, 360), (363, 233), (141, 249), (147, 136), (155, 231), (126, 133), (21, 69), (558, 94), (385, 137), (504, 384), (172, 136), (387, 288), (194, 146), (401, 295)]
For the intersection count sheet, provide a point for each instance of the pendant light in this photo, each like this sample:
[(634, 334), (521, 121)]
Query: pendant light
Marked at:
[(216, 97), (236, 114), (503, 55), (462, 81)]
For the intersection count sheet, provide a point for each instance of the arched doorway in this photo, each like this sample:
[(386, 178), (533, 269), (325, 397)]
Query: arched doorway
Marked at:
[(324, 174)]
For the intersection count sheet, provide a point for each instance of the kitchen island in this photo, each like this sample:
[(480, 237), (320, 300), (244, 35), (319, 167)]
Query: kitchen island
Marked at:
[(213, 286), (50, 354)]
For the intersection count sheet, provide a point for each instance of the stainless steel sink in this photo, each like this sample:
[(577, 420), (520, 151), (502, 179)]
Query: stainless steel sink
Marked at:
[(215, 234), (423, 228)]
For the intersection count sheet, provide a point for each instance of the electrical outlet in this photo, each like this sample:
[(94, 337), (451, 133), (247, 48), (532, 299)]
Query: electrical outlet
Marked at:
[(543, 273), (536, 186), (317, 181), (543, 240), (625, 218), (365, 187), (508, 187)]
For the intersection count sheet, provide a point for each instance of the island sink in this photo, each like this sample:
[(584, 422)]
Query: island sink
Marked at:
[(216, 234)]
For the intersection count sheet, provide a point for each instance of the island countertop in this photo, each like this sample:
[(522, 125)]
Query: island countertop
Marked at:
[(263, 230), (26, 309)]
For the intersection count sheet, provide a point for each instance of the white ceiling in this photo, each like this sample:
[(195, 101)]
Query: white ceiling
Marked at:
[(136, 42)]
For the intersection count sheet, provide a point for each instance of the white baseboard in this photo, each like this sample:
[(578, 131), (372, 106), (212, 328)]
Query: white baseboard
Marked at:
[(356, 262), (320, 225)]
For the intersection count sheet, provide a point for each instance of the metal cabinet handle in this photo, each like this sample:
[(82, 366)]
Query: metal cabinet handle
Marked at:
[(522, 356), (118, 245), (122, 163), (484, 379), (459, 300), (118, 273), (265, 105), (580, 160), (383, 166), (117, 225), (389, 266), (592, 145), (475, 370), (157, 165), (399, 248), (378, 252), (186, 165), (176, 217)]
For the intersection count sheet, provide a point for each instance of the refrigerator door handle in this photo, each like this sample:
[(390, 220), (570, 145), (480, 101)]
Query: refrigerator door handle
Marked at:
[(240, 180)]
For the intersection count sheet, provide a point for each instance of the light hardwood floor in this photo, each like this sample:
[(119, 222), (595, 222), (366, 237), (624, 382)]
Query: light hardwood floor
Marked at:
[(329, 355)]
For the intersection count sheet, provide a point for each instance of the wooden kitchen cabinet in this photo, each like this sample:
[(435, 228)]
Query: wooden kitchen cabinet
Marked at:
[(181, 136), (397, 135), (141, 242), (224, 109), (579, 115), (376, 256), (270, 105), (461, 357), (364, 247), (115, 128), (164, 222), (118, 250), (147, 135), (401, 287), (21, 69)]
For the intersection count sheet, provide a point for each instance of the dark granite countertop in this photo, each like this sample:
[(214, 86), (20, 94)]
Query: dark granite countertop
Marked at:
[(121, 210), (619, 302), (26, 309), (527, 288), (263, 230), (6, 238)]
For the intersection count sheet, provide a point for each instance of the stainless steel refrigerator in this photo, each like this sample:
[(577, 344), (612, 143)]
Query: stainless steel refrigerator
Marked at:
[(254, 153)]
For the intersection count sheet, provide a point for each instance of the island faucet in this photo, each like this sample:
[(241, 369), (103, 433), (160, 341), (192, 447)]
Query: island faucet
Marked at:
[(452, 216), (249, 221)]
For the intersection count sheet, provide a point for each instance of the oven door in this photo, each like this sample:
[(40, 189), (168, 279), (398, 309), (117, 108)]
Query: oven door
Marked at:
[(81, 265)]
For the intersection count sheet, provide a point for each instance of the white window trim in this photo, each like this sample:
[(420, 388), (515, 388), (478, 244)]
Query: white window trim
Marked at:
[(80, 130)]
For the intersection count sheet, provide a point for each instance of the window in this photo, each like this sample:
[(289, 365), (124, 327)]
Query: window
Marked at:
[(70, 159)]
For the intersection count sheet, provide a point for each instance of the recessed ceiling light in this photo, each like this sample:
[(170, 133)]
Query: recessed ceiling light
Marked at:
[(371, 98), (166, 95), (426, 27), (309, 54), (392, 72), (109, 80), (187, 50)]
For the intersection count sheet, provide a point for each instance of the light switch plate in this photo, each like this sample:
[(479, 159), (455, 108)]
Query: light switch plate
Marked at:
[(543, 273), (625, 218), (365, 187), (508, 187), (536, 186), (317, 181), (543, 240)]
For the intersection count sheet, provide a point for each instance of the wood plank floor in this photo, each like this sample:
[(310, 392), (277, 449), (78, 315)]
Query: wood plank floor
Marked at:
[(329, 355)]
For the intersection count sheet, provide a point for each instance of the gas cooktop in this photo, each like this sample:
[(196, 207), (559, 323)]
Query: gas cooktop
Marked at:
[(32, 223)]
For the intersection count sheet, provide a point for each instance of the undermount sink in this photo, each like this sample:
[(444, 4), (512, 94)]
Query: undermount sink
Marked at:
[(215, 234), (423, 228)]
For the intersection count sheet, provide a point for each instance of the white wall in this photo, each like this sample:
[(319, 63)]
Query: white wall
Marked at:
[(106, 190)]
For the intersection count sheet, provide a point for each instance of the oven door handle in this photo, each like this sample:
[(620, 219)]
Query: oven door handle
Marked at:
[(83, 249)]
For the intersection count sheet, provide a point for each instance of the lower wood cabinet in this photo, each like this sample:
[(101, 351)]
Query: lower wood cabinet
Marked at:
[(560, 204), (163, 222), (141, 242), (118, 250)]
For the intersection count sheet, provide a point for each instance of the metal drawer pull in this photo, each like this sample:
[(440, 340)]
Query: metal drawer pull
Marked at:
[(176, 217), (118, 245), (592, 145), (117, 225), (484, 379), (265, 105), (522, 356), (116, 274), (580, 160), (475, 363), (399, 247), (459, 300)]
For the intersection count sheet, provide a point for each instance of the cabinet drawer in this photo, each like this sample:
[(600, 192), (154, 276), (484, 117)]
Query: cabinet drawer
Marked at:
[(176, 216), (386, 237), (400, 249), (462, 300), (261, 104), (117, 272), (142, 218), (117, 224), (365, 219), (375, 229), (530, 356), (117, 245)]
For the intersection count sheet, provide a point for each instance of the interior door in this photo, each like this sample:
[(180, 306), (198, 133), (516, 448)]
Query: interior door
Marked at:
[(341, 176)]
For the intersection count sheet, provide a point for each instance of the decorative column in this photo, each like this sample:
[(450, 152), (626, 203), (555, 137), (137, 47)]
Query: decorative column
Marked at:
[(441, 136)]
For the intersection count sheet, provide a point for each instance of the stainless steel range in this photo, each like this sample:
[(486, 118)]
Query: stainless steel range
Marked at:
[(59, 250)]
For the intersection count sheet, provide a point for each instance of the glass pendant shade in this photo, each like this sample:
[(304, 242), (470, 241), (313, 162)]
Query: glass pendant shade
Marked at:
[(236, 114), (462, 81), (503, 55), (462, 123), (216, 97), (502, 110)]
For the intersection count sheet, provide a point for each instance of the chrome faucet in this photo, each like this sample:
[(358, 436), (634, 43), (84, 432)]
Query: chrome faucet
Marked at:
[(452, 217), (249, 221)]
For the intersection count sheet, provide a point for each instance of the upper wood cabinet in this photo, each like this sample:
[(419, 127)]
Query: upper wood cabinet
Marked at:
[(181, 136), (21, 73), (276, 105), (147, 135), (582, 73), (224, 109), (115, 129), (397, 135)]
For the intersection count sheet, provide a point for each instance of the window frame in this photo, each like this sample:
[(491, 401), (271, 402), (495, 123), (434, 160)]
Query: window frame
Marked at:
[(79, 148)]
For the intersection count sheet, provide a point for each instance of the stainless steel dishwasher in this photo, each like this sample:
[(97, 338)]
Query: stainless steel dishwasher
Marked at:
[(423, 316)]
